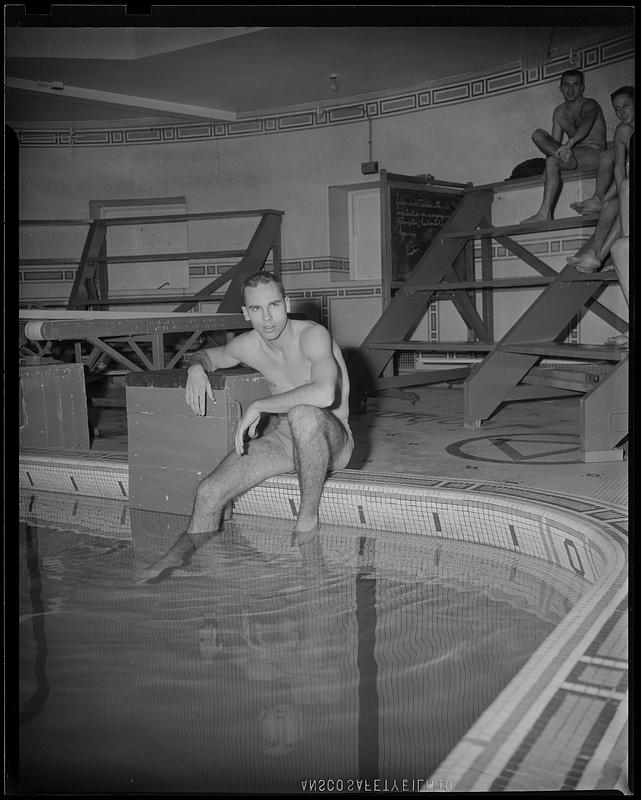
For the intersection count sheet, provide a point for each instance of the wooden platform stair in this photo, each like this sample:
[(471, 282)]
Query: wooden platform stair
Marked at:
[(405, 310), (506, 374), (510, 369)]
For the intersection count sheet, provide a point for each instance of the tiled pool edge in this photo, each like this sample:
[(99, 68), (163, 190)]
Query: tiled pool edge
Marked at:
[(574, 687), (105, 475), (559, 687)]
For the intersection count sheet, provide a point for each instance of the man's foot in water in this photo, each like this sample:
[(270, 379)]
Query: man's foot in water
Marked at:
[(305, 536), (177, 556)]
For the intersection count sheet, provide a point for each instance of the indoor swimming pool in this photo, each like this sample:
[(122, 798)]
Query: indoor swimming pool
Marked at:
[(259, 666)]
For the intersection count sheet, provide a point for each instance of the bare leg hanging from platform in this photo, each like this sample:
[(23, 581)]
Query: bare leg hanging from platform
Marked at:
[(605, 189), (590, 257), (586, 157), (621, 257)]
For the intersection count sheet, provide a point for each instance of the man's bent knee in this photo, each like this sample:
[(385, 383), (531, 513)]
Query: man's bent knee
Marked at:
[(208, 491), (620, 252), (305, 419)]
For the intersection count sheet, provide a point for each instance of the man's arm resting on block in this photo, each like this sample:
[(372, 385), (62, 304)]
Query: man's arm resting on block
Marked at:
[(198, 386)]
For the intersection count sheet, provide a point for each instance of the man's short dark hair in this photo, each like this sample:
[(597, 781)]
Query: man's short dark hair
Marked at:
[(572, 73), (629, 90), (262, 278)]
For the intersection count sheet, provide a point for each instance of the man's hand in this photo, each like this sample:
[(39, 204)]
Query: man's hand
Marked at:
[(564, 152), (197, 389), (248, 424)]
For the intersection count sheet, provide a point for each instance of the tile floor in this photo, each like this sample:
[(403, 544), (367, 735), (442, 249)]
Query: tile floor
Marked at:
[(528, 443)]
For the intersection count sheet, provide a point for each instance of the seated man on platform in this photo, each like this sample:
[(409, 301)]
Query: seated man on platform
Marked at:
[(308, 431), (605, 188), (590, 257), (581, 119)]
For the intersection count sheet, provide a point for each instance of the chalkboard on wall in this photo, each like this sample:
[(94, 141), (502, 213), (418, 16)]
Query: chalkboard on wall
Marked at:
[(416, 216)]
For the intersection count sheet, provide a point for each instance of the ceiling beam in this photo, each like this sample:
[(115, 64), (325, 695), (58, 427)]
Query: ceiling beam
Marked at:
[(111, 44), (59, 89)]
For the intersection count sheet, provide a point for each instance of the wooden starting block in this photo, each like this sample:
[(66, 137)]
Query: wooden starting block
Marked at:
[(170, 448)]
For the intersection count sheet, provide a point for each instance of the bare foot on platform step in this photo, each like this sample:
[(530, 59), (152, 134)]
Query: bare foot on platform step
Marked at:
[(589, 262), (536, 218), (621, 340), (590, 206)]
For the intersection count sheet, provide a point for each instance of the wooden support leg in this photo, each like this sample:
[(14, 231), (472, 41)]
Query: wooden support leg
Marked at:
[(490, 385), (157, 350), (604, 417)]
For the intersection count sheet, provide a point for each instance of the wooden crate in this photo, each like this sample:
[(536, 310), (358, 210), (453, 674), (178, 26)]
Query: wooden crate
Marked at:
[(170, 448), (53, 407)]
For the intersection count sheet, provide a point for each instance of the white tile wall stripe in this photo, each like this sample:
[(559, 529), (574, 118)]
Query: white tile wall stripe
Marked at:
[(595, 691), (604, 662)]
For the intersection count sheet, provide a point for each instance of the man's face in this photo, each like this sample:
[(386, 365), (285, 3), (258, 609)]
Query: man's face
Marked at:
[(571, 87), (266, 309), (623, 106)]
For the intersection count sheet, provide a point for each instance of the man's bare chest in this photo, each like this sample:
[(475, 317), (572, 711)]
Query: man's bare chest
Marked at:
[(569, 122), (283, 374)]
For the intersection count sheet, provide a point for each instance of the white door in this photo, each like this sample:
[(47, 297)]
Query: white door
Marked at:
[(365, 234), (129, 240)]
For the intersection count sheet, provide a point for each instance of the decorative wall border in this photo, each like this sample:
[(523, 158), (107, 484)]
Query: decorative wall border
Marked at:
[(512, 77), (332, 268), (335, 268)]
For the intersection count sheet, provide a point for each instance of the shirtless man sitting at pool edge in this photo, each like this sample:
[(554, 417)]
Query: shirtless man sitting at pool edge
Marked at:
[(308, 431), (582, 121)]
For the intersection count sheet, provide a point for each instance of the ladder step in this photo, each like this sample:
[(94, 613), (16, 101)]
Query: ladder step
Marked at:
[(566, 223), (587, 352), (559, 383), (108, 402), (438, 347), (421, 378), (525, 392), (504, 283)]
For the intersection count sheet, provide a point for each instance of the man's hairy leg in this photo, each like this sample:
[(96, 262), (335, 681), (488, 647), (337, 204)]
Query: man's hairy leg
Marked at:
[(551, 186), (318, 438), (234, 475)]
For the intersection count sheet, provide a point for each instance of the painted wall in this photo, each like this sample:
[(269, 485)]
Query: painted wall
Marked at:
[(478, 140)]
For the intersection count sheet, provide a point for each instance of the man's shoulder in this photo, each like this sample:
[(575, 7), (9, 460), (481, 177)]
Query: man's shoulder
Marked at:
[(591, 103), (623, 132), (243, 342), (302, 326), (311, 334)]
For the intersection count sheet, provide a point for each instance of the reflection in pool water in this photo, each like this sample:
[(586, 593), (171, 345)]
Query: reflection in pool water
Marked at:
[(258, 666)]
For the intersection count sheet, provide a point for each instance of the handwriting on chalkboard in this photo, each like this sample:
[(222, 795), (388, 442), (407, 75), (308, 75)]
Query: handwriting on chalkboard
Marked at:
[(416, 217)]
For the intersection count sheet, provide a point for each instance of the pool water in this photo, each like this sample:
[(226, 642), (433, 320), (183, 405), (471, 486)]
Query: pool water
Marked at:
[(259, 666)]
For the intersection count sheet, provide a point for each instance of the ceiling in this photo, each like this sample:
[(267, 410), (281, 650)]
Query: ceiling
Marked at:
[(76, 70)]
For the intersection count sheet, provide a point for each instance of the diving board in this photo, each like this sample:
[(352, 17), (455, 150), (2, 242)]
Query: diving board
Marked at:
[(46, 324), (106, 330)]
